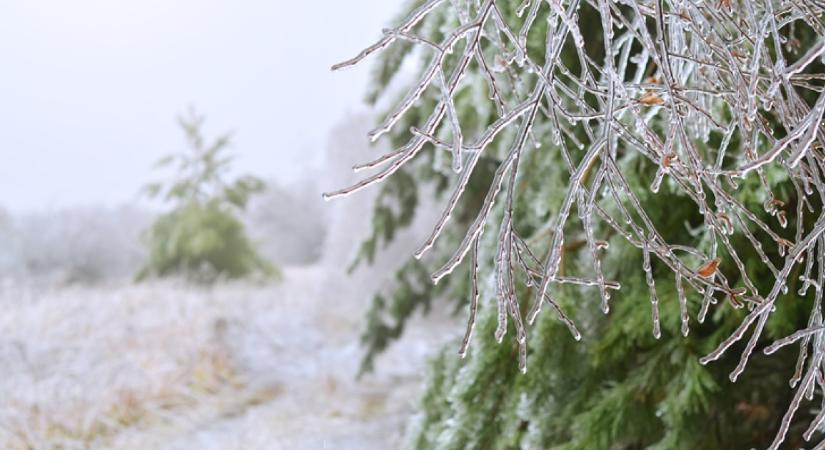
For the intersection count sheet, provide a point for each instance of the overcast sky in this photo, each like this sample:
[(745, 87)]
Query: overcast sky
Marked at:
[(90, 89)]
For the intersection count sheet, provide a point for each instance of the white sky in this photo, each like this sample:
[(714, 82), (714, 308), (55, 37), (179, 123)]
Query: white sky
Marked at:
[(90, 89)]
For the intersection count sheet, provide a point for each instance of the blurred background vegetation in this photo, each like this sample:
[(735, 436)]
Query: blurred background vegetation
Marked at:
[(90, 359), (217, 225), (202, 237)]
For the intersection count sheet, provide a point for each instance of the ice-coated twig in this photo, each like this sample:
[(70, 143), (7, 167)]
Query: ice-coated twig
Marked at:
[(796, 401), (415, 17), (707, 97), (804, 132), (471, 321), (791, 339)]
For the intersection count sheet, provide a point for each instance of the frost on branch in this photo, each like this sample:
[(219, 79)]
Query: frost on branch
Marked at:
[(714, 94)]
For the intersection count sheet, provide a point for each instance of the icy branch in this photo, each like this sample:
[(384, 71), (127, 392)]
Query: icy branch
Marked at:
[(671, 77)]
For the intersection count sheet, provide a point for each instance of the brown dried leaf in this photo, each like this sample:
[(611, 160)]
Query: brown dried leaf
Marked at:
[(709, 268), (651, 100)]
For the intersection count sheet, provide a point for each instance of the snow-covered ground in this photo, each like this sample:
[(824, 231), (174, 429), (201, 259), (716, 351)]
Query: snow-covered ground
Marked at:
[(169, 366), (90, 362)]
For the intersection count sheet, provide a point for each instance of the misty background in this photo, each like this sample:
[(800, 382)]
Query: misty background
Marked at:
[(90, 95), (91, 88)]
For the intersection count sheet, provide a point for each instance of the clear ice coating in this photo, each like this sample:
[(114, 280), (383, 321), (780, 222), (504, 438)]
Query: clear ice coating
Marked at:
[(676, 77)]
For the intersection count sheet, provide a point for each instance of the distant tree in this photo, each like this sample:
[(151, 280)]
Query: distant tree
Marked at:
[(202, 237)]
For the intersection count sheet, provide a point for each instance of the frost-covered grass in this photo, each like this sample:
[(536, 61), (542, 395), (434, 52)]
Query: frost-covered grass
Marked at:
[(90, 361), (166, 365), (79, 365)]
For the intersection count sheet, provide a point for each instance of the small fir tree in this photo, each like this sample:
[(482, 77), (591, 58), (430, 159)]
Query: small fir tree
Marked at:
[(202, 237)]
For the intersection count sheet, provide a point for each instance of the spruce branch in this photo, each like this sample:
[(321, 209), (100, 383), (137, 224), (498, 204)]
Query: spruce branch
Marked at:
[(714, 95)]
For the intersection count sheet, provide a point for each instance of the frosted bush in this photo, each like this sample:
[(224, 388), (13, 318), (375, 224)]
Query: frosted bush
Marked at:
[(715, 94), (80, 245)]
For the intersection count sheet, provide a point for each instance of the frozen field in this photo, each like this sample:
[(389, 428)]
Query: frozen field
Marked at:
[(166, 366), (101, 364)]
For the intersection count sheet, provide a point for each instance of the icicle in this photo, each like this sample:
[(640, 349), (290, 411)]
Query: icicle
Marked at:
[(471, 322), (654, 299), (657, 181), (501, 329), (683, 307)]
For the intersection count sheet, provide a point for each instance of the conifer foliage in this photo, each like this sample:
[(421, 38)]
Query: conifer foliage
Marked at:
[(202, 238), (644, 176)]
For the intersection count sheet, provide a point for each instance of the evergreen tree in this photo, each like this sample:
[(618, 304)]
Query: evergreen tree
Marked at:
[(631, 188), (202, 238)]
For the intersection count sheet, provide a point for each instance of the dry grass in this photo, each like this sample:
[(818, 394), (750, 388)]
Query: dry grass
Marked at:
[(79, 365), (168, 366)]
